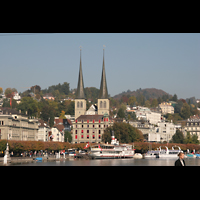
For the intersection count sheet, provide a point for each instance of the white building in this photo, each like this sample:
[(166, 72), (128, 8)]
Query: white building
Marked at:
[(147, 115), (16, 96), (43, 131), (166, 131), (57, 135)]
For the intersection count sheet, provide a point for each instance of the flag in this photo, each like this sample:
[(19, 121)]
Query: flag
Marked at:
[(11, 102), (100, 147), (87, 145)]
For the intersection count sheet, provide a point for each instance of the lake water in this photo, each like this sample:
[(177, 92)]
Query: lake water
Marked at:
[(113, 162)]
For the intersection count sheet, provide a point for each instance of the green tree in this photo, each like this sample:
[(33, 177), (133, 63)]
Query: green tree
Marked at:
[(28, 104), (185, 111), (147, 103), (120, 113), (154, 103), (124, 132), (178, 137), (191, 139), (68, 135), (131, 101)]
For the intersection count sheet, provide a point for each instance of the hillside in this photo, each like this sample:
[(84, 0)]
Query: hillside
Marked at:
[(147, 93)]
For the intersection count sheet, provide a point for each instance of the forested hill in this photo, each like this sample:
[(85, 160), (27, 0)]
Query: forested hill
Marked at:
[(147, 93)]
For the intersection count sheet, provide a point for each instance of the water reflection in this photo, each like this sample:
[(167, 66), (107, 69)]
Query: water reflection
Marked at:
[(114, 162)]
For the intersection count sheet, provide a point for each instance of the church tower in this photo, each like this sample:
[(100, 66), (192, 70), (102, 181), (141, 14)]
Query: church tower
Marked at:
[(103, 101), (80, 100)]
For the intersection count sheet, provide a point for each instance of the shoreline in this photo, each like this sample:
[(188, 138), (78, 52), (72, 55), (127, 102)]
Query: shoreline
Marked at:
[(14, 160)]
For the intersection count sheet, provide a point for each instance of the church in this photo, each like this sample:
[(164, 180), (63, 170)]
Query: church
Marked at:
[(90, 124)]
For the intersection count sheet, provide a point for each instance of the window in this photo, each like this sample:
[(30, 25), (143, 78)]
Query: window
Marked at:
[(2, 123), (99, 136), (87, 131), (93, 136), (75, 136), (78, 104), (104, 104), (81, 131), (99, 131), (81, 104), (101, 104), (87, 121), (81, 136), (99, 121), (87, 136), (93, 120)]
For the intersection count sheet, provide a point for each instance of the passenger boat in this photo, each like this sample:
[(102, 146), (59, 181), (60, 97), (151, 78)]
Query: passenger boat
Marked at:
[(113, 150), (164, 153)]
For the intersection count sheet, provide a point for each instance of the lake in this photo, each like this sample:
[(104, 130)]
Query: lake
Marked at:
[(113, 162)]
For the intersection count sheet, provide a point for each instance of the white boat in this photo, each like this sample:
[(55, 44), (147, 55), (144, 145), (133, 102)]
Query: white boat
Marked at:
[(164, 153), (113, 150), (138, 155)]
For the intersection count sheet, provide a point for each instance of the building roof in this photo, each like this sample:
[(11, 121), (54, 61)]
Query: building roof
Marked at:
[(103, 94), (59, 127), (8, 111), (90, 117), (80, 93)]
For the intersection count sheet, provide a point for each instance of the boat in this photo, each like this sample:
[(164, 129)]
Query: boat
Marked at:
[(38, 159), (138, 155), (164, 153), (113, 150), (190, 155)]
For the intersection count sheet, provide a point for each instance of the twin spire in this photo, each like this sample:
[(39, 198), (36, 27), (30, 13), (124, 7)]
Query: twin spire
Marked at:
[(103, 94)]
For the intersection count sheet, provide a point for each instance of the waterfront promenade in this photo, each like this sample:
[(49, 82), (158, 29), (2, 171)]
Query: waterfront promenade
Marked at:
[(28, 159)]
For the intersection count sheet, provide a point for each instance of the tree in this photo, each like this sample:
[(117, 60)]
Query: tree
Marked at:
[(62, 115), (28, 104), (124, 132), (1, 90), (120, 113), (178, 137), (185, 111), (178, 106), (68, 135), (154, 103), (131, 101), (147, 103), (8, 93)]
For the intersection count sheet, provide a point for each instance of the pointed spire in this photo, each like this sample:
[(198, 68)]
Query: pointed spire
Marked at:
[(80, 94), (103, 94)]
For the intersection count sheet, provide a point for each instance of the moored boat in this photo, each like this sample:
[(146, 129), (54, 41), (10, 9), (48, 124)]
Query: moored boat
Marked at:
[(164, 153), (113, 150)]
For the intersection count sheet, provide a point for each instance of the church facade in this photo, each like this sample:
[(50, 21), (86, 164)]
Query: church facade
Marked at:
[(90, 124)]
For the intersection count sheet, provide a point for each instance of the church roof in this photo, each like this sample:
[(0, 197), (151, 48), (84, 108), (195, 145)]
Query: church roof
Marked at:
[(103, 94), (80, 93), (90, 117)]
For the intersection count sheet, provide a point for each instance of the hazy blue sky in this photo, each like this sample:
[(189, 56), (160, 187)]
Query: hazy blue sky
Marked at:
[(170, 62)]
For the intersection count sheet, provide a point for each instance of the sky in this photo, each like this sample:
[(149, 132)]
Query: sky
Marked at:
[(167, 61)]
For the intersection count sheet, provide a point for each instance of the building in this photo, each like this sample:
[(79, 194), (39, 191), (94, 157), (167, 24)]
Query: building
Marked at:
[(193, 126), (166, 131), (14, 126), (49, 96), (57, 133), (166, 108), (144, 113), (43, 131), (90, 125)]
